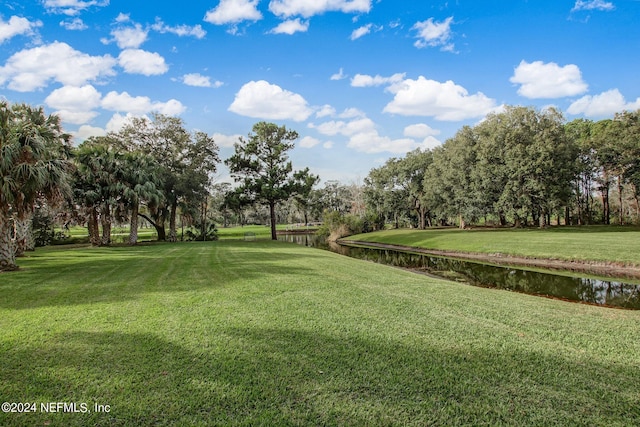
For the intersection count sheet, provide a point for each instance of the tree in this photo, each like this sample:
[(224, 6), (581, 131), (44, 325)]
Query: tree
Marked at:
[(33, 164), (261, 165), (184, 164)]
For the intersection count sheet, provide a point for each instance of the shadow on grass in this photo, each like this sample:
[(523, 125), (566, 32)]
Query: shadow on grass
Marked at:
[(251, 376), (56, 277)]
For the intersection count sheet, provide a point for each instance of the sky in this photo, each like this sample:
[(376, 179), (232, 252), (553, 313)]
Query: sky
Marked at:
[(361, 81)]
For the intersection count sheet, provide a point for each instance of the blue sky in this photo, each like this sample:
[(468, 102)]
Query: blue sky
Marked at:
[(360, 80)]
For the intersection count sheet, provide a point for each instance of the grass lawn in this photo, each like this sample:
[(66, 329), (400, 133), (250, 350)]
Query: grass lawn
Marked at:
[(270, 333), (593, 243)]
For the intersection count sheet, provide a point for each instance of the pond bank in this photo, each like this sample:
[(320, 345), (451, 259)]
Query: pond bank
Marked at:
[(599, 268)]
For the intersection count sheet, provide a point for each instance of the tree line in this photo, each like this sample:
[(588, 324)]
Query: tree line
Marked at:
[(153, 168), (518, 167)]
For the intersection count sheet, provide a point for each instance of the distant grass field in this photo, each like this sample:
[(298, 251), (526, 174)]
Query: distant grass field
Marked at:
[(593, 243), (270, 333)]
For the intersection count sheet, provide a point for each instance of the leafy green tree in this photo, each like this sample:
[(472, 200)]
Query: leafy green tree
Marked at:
[(261, 165), (184, 161), (34, 165)]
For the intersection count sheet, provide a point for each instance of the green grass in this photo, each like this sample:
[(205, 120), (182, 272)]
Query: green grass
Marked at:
[(269, 333), (593, 243)]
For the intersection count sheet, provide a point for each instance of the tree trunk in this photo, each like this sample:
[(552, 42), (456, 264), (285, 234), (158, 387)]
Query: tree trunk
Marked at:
[(461, 223), (106, 225), (272, 212), (92, 225), (133, 225), (7, 246), (173, 233), (567, 216), (159, 227), (605, 206), (621, 216), (22, 231)]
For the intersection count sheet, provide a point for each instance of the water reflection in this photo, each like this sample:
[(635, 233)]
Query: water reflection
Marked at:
[(594, 291)]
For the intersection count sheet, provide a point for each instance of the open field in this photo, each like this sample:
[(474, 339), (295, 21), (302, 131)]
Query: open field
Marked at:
[(594, 243), (269, 333)]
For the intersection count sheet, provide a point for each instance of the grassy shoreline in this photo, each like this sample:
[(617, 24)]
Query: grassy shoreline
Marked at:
[(607, 244), (270, 333)]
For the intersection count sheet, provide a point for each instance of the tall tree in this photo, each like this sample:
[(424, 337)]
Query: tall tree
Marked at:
[(261, 165), (33, 165), (184, 164)]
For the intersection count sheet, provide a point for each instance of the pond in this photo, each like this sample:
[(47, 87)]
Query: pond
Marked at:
[(567, 286)]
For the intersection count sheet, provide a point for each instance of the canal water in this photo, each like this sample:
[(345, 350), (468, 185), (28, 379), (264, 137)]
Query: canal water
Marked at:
[(609, 292)]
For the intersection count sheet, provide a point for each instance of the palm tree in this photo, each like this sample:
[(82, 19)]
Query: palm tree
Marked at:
[(34, 163), (140, 183)]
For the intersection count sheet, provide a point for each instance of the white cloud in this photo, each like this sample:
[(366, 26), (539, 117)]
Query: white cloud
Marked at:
[(267, 101), (420, 130), (138, 105), (363, 80), (233, 12), (138, 61), (129, 37), (361, 32), (363, 135), (603, 105), (434, 34), (339, 75), (17, 26), (309, 142), (593, 5), (326, 110), (444, 101), (31, 69), (86, 131), (540, 80), (225, 140), (308, 8), (181, 30), (72, 7), (328, 145), (198, 80), (75, 24), (291, 26), (75, 104)]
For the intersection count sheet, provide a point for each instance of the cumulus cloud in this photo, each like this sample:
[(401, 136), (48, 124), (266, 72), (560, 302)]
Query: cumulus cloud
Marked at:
[(540, 80), (75, 104), (17, 26), (363, 80), (180, 30), (233, 12), (593, 5), (309, 142), (198, 80), (225, 140), (291, 26), (434, 34), (306, 8), (72, 7), (129, 37), (86, 131), (325, 110), (32, 69), (420, 130), (138, 61), (139, 105), (261, 99), (363, 135), (444, 101), (603, 105)]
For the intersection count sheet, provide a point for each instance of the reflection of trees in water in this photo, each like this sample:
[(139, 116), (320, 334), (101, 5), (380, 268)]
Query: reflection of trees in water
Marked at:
[(531, 282)]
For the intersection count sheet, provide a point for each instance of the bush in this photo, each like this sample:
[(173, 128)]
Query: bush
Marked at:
[(336, 225)]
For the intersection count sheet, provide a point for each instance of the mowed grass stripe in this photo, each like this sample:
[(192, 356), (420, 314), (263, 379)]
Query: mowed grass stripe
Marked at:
[(269, 333)]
